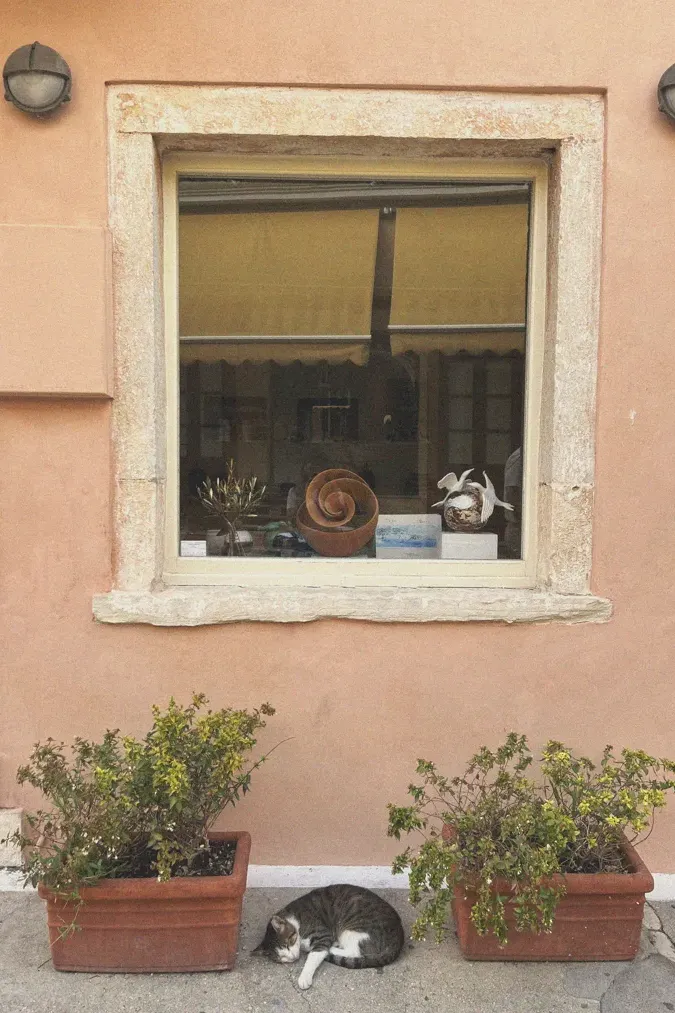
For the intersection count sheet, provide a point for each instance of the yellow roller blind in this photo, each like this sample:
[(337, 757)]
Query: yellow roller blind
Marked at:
[(460, 265), (288, 273)]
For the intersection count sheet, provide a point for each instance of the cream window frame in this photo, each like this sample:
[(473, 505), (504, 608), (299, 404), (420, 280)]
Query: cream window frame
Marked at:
[(367, 572), (397, 133)]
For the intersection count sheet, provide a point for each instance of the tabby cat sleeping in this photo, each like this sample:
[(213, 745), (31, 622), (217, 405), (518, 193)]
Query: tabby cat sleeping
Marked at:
[(346, 925)]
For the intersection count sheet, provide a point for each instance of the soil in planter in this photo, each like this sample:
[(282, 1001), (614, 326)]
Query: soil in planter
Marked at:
[(216, 860), (609, 858)]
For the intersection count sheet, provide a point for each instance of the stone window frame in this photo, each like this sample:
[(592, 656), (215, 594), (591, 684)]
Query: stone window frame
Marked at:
[(147, 122)]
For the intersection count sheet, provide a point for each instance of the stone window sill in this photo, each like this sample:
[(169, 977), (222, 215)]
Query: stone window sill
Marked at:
[(202, 606)]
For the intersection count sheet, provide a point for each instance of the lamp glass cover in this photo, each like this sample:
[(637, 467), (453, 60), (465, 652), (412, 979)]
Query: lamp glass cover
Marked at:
[(36, 90)]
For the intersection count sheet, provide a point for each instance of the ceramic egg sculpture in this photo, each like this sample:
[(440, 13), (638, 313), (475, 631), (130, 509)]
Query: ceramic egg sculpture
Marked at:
[(468, 506)]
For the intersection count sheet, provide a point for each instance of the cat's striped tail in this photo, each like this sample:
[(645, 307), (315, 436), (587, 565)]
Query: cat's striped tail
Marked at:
[(357, 963)]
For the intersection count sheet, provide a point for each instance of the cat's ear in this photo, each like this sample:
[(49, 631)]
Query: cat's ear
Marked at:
[(280, 925)]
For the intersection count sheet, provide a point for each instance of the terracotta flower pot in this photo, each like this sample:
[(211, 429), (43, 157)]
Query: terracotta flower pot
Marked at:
[(599, 918), (140, 925)]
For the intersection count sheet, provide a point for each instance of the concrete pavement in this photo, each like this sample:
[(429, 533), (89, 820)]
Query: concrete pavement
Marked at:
[(427, 978)]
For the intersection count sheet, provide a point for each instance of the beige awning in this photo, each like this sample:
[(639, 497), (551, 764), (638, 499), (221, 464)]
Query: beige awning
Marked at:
[(282, 352), (282, 273), (460, 265)]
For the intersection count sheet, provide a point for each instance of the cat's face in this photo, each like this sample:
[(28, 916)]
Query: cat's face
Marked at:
[(281, 941)]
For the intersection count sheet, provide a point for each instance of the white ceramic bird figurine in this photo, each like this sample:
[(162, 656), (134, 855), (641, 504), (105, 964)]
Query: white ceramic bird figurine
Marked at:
[(468, 506)]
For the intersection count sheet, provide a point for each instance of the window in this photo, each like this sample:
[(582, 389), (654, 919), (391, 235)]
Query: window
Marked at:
[(375, 333), (394, 136)]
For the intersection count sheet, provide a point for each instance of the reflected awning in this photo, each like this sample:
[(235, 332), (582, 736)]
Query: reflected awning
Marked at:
[(280, 273), (308, 352), (472, 342), (460, 266)]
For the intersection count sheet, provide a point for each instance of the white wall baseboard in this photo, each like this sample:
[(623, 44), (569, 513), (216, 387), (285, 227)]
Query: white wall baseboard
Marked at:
[(376, 877), (380, 877), (664, 886)]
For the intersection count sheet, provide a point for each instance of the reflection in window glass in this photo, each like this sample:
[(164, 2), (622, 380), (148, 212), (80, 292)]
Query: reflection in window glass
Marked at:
[(349, 349)]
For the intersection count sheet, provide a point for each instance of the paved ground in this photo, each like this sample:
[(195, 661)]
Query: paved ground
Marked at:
[(427, 979)]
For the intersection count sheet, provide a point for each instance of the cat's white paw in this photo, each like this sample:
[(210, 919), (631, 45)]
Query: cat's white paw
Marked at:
[(304, 982)]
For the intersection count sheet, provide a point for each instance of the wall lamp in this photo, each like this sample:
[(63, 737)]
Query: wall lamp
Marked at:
[(37, 79), (666, 93)]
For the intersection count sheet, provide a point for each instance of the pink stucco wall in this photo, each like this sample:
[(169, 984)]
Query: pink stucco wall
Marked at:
[(361, 701)]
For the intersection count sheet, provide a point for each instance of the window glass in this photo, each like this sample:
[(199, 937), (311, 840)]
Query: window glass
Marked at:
[(348, 350)]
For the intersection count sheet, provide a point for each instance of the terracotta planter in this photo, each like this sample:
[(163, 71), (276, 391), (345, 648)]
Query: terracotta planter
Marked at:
[(138, 925), (599, 918)]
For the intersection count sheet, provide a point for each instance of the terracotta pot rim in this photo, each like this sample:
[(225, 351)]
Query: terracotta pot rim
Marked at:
[(180, 886), (638, 881)]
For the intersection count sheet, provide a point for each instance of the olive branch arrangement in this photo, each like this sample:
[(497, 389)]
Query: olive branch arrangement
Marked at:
[(231, 499)]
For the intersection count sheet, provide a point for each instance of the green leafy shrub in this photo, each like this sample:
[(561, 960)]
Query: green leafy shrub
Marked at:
[(506, 826), (124, 807)]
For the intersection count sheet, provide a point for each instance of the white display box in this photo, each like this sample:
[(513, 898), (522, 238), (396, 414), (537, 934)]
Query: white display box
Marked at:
[(408, 536), (456, 545)]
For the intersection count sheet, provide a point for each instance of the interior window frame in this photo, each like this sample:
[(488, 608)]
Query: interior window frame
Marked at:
[(521, 573)]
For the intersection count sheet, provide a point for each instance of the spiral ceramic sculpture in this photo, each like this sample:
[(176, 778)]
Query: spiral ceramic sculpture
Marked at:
[(468, 506), (339, 515)]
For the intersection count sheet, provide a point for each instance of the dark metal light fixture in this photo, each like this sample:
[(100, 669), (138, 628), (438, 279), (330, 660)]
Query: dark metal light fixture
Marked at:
[(666, 93), (37, 79)]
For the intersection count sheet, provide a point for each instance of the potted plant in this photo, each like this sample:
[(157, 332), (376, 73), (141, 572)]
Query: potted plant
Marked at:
[(539, 869), (133, 876), (230, 499)]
